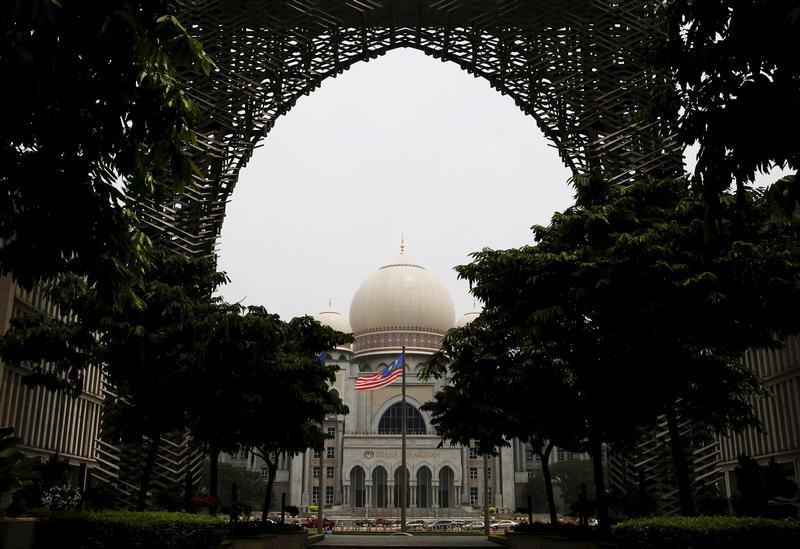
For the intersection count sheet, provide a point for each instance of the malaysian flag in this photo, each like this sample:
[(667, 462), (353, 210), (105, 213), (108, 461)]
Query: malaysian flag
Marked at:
[(390, 372)]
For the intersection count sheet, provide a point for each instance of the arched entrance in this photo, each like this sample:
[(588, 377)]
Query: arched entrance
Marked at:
[(447, 496), (358, 493), (424, 487), (380, 496), (575, 67), (398, 482)]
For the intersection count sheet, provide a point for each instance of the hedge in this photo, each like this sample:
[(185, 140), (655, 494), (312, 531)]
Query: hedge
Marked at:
[(708, 533), (130, 530)]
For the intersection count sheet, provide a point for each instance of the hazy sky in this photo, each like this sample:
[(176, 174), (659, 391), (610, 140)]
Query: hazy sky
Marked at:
[(402, 145)]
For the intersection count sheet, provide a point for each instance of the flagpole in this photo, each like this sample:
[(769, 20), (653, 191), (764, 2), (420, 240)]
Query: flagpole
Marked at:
[(404, 471)]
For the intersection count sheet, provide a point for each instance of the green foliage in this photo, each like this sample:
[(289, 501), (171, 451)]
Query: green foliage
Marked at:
[(16, 469), (738, 84), (313, 508), (129, 530), (249, 484), (99, 113), (707, 533), (756, 485)]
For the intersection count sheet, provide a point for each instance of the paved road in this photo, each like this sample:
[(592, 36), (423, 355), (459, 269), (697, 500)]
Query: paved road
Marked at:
[(348, 542)]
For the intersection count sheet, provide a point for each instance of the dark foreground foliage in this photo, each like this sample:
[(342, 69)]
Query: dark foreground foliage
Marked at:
[(708, 533), (129, 530)]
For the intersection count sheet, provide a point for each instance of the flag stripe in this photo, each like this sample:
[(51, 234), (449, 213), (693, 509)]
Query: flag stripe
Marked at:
[(388, 374), (376, 383)]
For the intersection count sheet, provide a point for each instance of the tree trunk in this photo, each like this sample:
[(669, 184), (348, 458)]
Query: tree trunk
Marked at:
[(681, 467), (213, 477), (548, 482), (596, 451), (147, 473), (271, 466)]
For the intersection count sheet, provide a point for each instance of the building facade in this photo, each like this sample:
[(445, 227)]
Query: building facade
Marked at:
[(47, 422), (400, 305), (779, 416)]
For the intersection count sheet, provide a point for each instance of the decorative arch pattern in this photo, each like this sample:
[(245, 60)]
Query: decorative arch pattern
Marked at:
[(578, 68), (424, 487), (380, 487)]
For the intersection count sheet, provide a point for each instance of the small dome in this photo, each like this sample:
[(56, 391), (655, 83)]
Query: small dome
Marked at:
[(467, 318), (401, 296), (335, 320)]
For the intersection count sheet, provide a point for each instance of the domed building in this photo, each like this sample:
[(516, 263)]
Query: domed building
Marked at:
[(400, 305)]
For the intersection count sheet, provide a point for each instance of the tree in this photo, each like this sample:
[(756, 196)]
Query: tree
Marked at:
[(148, 353), (99, 116), (516, 395), (605, 292), (288, 393), (737, 91)]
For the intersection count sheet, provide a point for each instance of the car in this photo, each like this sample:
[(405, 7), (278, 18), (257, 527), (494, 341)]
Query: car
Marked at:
[(386, 523), (459, 523), (475, 525), (441, 524), (365, 523), (312, 523), (503, 525), (415, 523)]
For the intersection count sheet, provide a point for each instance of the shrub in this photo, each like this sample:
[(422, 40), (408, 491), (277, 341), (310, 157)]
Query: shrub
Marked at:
[(313, 508), (130, 530), (254, 528), (708, 533)]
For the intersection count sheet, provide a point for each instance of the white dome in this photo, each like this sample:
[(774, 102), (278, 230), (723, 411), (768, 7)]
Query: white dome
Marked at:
[(401, 296), (467, 318), (334, 320)]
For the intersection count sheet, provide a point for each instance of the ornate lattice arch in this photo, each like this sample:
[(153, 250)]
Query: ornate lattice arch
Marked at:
[(578, 67)]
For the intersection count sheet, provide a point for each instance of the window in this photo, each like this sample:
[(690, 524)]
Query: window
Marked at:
[(473, 453), (560, 454), (331, 432), (473, 495), (329, 495), (315, 472), (488, 472), (329, 472), (530, 475), (315, 495), (528, 454), (473, 473), (316, 454), (390, 423), (364, 368), (330, 452), (264, 472)]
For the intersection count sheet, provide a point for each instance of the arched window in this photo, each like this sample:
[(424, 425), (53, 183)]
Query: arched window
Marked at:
[(446, 492), (364, 368), (357, 486), (390, 423), (334, 392), (328, 356), (424, 488), (343, 358), (398, 482), (379, 486)]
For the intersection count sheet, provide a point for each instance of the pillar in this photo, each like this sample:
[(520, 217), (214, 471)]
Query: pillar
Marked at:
[(413, 495), (390, 495), (368, 493), (435, 494)]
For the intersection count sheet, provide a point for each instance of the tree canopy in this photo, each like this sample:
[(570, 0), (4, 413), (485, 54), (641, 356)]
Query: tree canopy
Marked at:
[(98, 116)]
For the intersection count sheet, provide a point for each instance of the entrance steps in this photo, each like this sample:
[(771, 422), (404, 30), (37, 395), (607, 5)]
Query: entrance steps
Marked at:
[(417, 542)]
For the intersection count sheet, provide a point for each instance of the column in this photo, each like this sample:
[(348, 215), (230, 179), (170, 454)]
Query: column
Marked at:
[(435, 494), (368, 493), (346, 496), (390, 495), (306, 497), (507, 479), (464, 493), (413, 495)]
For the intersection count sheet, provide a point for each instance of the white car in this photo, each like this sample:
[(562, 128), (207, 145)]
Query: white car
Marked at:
[(475, 525), (503, 525)]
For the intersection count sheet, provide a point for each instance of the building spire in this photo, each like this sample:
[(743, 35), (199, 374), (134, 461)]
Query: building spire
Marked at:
[(329, 303), (402, 244)]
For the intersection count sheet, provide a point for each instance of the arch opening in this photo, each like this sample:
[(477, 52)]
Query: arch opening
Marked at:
[(391, 421), (357, 483)]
